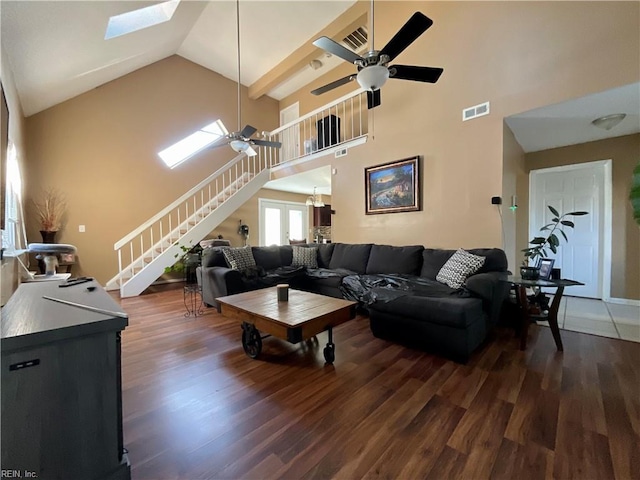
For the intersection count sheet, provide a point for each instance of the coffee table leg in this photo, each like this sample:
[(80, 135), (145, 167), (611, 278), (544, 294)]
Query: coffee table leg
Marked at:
[(330, 349), (251, 340)]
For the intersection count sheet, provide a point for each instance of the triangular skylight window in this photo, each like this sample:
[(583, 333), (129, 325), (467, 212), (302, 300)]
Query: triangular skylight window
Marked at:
[(141, 18), (189, 146)]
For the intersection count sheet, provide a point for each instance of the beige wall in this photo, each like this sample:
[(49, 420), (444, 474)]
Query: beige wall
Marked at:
[(625, 155), (518, 56), (100, 149), (11, 272), (512, 170)]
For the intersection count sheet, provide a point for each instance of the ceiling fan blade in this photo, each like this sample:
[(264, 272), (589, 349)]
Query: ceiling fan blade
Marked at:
[(410, 31), (373, 99), (332, 85), (247, 131), (266, 143), (250, 152), (417, 74), (336, 49)]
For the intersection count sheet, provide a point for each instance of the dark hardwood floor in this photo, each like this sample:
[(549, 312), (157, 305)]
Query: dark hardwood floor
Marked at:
[(195, 407)]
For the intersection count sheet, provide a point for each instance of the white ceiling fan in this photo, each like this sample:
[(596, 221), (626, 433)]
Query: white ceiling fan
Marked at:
[(241, 140)]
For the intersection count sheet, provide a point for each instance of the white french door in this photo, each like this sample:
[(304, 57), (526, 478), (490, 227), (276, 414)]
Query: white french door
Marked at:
[(586, 257), (282, 221)]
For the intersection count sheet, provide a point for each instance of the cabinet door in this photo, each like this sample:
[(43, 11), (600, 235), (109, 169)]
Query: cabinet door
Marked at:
[(322, 216), (59, 417)]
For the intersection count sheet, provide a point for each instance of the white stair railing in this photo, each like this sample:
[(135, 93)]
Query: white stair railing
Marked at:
[(163, 231)]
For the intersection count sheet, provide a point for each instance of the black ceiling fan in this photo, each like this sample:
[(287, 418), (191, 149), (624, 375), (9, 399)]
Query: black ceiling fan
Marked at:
[(241, 140), (373, 66)]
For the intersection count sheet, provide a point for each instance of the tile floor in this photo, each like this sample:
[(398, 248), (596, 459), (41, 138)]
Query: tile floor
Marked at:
[(596, 317)]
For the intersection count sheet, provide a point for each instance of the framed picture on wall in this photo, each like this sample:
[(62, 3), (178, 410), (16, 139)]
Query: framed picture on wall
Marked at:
[(393, 187)]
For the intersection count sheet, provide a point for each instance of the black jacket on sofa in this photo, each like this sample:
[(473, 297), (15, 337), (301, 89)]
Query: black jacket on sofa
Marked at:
[(397, 285)]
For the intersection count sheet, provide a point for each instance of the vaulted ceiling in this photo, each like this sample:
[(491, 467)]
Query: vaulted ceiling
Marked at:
[(56, 49)]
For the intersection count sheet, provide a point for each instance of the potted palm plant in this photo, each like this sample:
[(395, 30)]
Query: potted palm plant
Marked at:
[(549, 240)]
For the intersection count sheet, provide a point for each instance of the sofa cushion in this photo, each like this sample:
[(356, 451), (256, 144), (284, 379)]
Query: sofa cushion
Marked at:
[(389, 259), (325, 250), (350, 257), (239, 258), (304, 257), (213, 257), (451, 311), (456, 270), (268, 258), (495, 259)]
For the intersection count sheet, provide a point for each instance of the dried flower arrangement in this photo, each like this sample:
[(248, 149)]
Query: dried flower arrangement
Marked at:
[(50, 210)]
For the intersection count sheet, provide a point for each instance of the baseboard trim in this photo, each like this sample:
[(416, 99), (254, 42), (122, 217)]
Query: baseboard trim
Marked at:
[(157, 282), (623, 301)]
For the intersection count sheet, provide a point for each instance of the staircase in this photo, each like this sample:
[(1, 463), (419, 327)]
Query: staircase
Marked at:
[(144, 253)]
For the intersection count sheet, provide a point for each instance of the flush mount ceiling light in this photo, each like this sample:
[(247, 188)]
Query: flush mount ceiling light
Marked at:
[(315, 64), (609, 121), (314, 200)]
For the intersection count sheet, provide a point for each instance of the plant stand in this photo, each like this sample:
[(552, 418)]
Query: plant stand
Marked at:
[(192, 300)]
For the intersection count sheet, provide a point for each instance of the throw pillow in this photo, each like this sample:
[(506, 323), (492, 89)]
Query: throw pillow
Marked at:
[(456, 270), (239, 258), (304, 257)]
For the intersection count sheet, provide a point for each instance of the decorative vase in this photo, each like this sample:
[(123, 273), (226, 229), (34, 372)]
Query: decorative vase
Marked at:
[(529, 273), (48, 237)]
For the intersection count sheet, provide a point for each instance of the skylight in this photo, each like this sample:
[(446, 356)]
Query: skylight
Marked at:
[(141, 18), (189, 146)]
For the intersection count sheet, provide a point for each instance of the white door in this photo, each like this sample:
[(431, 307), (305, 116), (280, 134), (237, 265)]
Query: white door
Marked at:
[(282, 221), (567, 189), (290, 137)]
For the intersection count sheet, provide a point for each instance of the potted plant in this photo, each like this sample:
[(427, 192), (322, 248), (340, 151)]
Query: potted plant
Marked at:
[(187, 262), (550, 241), (50, 209)]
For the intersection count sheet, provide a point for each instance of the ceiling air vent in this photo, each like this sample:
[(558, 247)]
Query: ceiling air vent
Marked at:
[(475, 111), (357, 40)]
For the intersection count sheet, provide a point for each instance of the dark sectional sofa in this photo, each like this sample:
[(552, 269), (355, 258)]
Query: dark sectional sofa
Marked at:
[(396, 285)]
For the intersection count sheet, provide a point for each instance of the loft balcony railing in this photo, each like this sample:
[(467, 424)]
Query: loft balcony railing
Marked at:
[(333, 124)]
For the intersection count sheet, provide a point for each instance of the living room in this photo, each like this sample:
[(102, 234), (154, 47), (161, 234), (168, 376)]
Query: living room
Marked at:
[(100, 149)]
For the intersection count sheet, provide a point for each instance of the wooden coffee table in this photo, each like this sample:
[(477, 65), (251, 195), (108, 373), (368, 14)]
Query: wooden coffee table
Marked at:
[(301, 318)]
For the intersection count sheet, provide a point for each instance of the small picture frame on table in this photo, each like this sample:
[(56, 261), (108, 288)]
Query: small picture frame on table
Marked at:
[(545, 265)]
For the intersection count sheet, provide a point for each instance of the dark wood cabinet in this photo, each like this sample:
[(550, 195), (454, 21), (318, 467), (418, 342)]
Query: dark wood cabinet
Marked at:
[(61, 384), (322, 216)]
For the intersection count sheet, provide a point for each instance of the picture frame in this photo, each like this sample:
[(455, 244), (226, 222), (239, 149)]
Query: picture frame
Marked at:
[(545, 265), (393, 187)]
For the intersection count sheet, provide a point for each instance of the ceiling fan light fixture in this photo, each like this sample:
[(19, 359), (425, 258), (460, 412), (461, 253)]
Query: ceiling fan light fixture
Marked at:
[(609, 121), (239, 145), (372, 78)]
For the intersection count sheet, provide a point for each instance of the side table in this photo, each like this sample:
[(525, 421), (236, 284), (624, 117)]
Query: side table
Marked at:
[(525, 307)]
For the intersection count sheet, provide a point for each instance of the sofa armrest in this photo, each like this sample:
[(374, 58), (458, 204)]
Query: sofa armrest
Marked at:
[(218, 282), (493, 288)]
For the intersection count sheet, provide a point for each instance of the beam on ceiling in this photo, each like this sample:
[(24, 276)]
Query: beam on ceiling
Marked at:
[(346, 23)]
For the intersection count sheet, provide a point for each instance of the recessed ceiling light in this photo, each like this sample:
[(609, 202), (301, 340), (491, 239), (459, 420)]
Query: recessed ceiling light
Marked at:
[(142, 18), (609, 121)]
